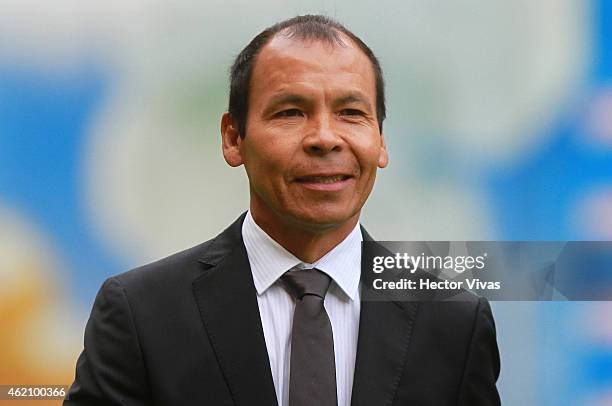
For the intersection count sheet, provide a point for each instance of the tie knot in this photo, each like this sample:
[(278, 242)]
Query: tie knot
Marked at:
[(306, 282)]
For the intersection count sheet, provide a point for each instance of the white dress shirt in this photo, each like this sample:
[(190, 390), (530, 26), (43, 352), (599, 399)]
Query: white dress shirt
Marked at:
[(269, 261)]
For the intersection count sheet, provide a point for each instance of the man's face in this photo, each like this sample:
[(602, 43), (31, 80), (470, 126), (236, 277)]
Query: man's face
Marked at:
[(312, 144)]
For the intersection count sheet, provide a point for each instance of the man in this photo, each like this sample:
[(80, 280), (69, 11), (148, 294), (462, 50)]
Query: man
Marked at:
[(269, 312)]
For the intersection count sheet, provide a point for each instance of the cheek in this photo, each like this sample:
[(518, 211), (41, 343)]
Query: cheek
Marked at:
[(368, 155), (267, 164)]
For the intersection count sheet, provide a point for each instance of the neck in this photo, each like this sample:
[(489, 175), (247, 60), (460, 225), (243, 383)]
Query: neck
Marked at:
[(307, 243)]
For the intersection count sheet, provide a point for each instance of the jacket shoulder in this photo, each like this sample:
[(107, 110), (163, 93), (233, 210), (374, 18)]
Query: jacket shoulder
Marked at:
[(168, 271), (185, 263)]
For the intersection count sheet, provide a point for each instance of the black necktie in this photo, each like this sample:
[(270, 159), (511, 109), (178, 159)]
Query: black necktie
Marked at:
[(312, 379)]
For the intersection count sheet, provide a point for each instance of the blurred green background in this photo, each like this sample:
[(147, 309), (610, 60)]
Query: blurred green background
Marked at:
[(499, 128)]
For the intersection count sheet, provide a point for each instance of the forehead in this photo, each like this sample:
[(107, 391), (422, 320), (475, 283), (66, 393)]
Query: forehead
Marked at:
[(310, 62)]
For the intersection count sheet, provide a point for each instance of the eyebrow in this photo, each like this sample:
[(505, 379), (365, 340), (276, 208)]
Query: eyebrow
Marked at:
[(284, 98), (296, 99), (352, 97)]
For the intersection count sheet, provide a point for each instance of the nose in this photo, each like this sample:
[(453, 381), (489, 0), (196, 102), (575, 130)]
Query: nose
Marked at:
[(321, 137)]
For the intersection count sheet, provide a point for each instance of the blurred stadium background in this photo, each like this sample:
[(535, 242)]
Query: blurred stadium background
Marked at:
[(499, 128)]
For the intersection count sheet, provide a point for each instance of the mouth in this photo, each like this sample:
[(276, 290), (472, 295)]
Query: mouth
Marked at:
[(329, 183), (322, 179)]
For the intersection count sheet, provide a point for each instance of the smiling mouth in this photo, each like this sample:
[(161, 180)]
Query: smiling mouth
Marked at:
[(322, 179)]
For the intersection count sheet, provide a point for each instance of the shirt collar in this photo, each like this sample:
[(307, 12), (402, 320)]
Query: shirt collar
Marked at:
[(269, 260)]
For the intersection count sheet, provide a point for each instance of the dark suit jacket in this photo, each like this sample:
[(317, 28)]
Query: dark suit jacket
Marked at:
[(186, 330)]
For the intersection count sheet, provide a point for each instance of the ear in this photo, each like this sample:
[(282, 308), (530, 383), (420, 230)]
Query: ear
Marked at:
[(383, 157), (230, 141)]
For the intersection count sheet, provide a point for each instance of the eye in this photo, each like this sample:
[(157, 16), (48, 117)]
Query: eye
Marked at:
[(351, 112), (289, 113)]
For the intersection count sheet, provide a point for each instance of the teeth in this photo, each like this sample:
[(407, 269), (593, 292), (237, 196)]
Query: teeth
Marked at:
[(325, 179)]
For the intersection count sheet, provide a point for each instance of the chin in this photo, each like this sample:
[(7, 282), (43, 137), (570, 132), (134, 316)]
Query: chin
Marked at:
[(323, 220)]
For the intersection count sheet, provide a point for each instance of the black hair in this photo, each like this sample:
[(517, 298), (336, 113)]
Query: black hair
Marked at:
[(305, 27)]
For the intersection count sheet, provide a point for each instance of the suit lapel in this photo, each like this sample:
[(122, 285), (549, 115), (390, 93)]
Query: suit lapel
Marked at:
[(385, 330), (227, 300)]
